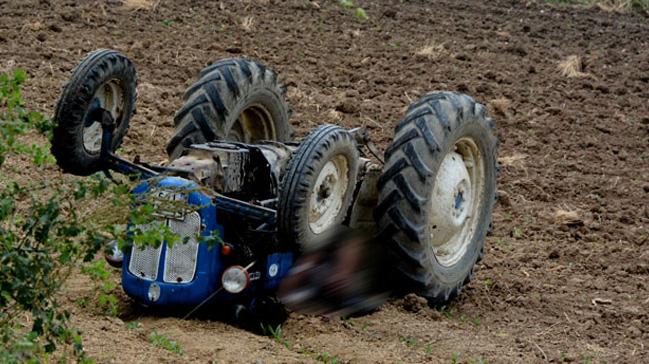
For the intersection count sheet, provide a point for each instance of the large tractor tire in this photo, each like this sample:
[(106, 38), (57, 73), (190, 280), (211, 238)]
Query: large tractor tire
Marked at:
[(233, 99), (436, 194), (105, 79), (318, 187)]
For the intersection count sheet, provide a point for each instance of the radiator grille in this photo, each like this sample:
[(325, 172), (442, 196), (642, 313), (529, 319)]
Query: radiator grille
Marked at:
[(180, 259), (144, 260)]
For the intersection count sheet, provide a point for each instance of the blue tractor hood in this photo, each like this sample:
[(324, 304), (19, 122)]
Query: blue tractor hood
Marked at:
[(148, 273)]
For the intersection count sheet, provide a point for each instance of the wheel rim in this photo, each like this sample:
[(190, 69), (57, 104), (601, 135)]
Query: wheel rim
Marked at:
[(254, 124), (456, 201), (327, 197), (109, 96)]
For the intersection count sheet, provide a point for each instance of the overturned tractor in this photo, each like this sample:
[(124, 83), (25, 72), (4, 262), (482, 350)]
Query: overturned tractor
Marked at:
[(271, 199)]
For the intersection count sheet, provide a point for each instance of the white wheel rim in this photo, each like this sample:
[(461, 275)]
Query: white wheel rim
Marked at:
[(254, 123), (456, 201), (110, 96), (327, 197)]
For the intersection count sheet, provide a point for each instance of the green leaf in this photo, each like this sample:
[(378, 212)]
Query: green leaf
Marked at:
[(348, 4), (20, 76), (361, 14)]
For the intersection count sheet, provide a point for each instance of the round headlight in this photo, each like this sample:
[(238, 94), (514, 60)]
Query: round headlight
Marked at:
[(235, 279), (154, 292)]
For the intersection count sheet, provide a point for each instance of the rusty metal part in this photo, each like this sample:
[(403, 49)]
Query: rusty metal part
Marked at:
[(361, 215), (362, 137)]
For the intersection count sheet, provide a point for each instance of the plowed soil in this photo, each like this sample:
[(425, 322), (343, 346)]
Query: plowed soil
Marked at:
[(566, 274)]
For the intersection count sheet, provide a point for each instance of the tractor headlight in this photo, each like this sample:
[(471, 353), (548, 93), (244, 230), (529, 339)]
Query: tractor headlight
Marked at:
[(235, 279), (154, 292)]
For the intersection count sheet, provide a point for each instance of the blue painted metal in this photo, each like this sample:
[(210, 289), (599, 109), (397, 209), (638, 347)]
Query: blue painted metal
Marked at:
[(284, 262), (210, 264)]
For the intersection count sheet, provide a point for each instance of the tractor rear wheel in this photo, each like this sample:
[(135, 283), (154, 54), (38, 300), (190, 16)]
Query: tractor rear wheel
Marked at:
[(233, 99), (436, 194), (318, 187)]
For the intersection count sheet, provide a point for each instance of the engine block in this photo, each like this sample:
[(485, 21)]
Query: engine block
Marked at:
[(253, 170)]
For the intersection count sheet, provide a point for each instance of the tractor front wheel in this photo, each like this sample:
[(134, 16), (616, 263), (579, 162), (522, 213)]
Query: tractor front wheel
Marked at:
[(105, 79), (318, 187)]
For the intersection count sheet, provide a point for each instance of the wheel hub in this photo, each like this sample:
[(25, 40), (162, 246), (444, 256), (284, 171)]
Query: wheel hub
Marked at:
[(110, 96), (454, 202), (325, 203), (254, 124)]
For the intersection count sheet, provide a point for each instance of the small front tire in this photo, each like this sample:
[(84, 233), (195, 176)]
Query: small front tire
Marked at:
[(104, 79), (318, 186)]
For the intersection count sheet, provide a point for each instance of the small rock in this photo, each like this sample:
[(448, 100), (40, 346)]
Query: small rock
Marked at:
[(414, 303), (71, 16), (517, 50), (462, 57), (625, 219), (352, 93), (41, 37), (503, 198), (569, 358), (646, 188), (390, 13), (463, 87), (234, 50), (490, 75), (603, 89), (554, 254), (604, 130), (633, 332), (435, 315), (347, 106), (56, 28)]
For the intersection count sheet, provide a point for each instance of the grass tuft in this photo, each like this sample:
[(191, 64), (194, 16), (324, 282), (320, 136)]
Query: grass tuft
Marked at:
[(164, 342), (140, 4), (431, 51), (248, 24), (500, 106), (608, 5), (572, 67), (567, 217)]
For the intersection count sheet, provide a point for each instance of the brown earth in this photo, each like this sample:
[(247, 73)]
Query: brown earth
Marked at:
[(566, 271)]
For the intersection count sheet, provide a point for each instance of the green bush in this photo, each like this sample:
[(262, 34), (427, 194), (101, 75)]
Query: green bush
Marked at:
[(41, 237), (48, 229)]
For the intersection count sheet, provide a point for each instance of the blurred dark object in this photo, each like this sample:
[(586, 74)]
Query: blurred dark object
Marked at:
[(344, 276)]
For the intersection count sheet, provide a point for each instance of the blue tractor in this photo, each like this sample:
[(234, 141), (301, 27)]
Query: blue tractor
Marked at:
[(270, 199)]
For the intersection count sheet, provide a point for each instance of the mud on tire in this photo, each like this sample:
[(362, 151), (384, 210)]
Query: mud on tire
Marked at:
[(233, 99), (318, 186), (104, 76), (440, 130)]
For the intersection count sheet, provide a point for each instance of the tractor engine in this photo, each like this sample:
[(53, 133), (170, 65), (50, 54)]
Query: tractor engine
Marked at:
[(243, 171)]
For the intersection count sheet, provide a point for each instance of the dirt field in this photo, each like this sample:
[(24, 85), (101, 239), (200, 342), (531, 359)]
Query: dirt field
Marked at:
[(566, 274)]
